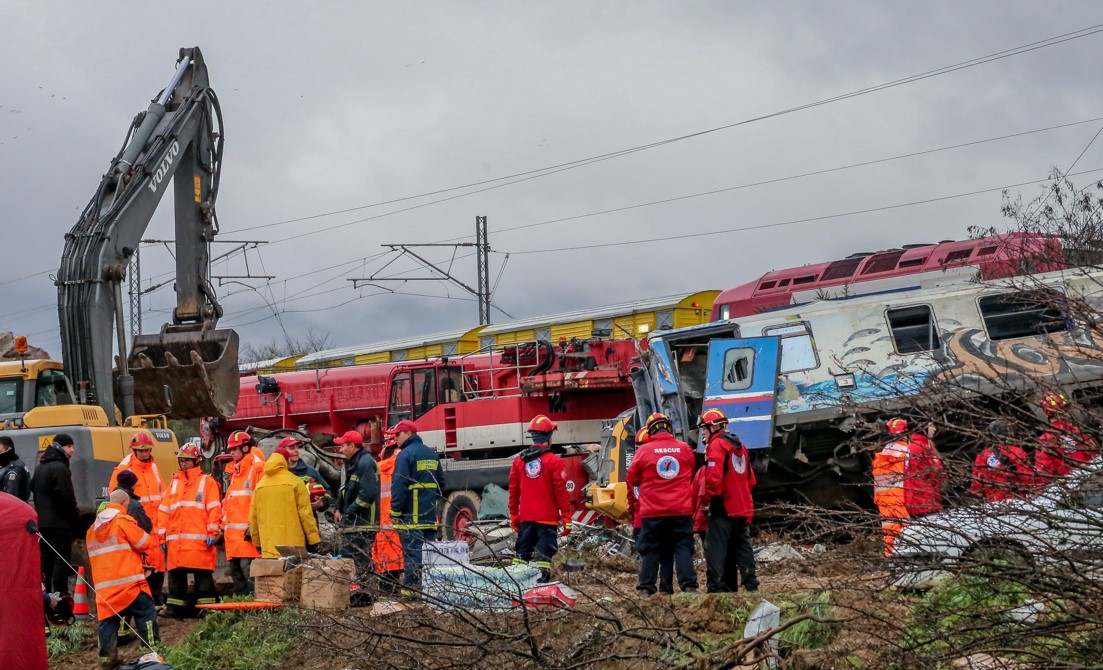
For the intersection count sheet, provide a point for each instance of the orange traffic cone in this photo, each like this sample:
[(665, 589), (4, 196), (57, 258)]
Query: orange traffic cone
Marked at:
[(80, 596)]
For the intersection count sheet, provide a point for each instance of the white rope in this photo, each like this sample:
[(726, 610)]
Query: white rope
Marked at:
[(92, 590)]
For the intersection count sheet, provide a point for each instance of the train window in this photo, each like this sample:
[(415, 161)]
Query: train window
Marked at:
[(882, 263), (783, 282), (804, 280), (913, 263), (798, 350), (425, 390), (913, 329), (738, 369), (767, 285), (400, 405), (842, 269), (725, 312), (987, 251), (956, 256), (1026, 314)]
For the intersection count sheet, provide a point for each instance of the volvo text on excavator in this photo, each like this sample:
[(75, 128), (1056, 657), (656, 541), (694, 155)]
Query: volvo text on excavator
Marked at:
[(189, 369)]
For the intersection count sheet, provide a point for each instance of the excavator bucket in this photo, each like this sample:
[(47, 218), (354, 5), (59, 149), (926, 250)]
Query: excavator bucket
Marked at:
[(185, 375)]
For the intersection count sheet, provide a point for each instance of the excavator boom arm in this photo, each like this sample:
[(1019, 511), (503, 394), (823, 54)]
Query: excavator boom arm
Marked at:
[(177, 140)]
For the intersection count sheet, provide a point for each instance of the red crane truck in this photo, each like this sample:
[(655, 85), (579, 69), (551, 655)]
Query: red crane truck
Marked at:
[(473, 409)]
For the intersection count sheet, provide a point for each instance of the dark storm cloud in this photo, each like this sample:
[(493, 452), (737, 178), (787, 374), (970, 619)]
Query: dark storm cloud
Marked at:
[(343, 105)]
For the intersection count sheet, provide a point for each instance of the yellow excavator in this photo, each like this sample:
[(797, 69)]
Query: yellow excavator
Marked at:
[(99, 394)]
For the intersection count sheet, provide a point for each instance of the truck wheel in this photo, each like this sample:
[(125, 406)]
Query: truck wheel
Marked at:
[(460, 511)]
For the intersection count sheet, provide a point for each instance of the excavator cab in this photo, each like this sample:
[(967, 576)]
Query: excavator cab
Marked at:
[(185, 373)]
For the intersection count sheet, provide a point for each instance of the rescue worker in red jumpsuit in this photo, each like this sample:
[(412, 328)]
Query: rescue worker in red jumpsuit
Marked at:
[(923, 474), (1064, 446), (662, 470), (1002, 471), (538, 500), (727, 503), (666, 570)]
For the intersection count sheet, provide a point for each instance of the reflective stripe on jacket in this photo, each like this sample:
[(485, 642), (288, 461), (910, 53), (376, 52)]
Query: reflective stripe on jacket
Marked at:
[(416, 486), (190, 513), (115, 543), (386, 550), (281, 513), (150, 487), (244, 478), (359, 498)]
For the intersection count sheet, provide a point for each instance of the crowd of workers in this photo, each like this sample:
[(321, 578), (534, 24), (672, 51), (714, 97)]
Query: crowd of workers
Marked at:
[(387, 509), (152, 530), (908, 473), (669, 503)]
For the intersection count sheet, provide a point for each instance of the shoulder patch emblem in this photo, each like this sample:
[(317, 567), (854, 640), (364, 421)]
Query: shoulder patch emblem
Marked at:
[(739, 463), (993, 461)]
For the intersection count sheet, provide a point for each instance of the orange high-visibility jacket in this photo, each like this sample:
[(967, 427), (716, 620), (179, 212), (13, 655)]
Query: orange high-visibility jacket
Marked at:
[(889, 466), (115, 543), (387, 549), (150, 487), (190, 513), (244, 477)]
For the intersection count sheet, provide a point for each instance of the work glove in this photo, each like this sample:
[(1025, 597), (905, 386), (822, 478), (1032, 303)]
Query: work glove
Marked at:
[(566, 530), (165, 548), (313, 548), (211, 541), (248, 535)]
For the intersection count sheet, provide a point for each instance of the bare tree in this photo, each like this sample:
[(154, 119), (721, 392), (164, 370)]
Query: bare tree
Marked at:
[(289, 346)]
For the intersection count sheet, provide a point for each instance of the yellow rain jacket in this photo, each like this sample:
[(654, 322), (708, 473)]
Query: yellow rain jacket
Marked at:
[(281, 513)]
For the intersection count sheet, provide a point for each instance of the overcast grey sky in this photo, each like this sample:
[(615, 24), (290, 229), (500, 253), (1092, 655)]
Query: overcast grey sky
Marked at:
[(341, 105)]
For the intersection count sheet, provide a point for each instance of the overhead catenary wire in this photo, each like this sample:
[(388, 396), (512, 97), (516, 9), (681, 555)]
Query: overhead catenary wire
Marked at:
[(776, 180), (553, 169), (778, 224)]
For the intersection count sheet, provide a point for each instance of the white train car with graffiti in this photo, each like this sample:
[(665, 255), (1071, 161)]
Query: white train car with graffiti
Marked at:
[(794, 380)]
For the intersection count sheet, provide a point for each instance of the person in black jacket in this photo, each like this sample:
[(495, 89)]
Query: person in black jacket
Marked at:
[(15, 478), (58, 516), (357, 504), (415, 491)]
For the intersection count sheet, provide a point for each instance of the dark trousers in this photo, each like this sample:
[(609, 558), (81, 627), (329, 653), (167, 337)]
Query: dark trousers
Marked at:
[(539, 540), (358, 547), (156, 581), (412, 542), (55, 571), (239, 572), (142, 612), (183, 603), (666, 570), (666, 540), (729, 558)]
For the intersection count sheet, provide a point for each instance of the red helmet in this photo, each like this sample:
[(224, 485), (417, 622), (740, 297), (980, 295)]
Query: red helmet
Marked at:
[(642, 437), (239, 438), (897, 426), (191, 451), (141, 440), (714, 417), (541, 424), (658, 421), (389, 439), (317, 491), (1054, 402)]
